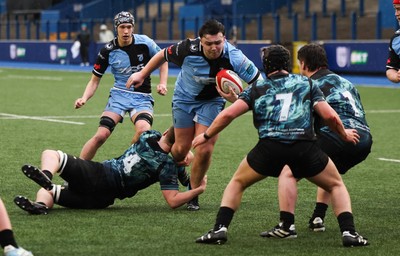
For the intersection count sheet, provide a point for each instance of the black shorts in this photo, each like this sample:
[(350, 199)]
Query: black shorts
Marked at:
[(304, 158), (345, 155), (90, 184)]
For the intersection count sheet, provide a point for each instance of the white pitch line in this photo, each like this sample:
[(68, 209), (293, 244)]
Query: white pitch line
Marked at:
[(41, 119), (10, 116), (50, 78), (384, 111), (389, 160)]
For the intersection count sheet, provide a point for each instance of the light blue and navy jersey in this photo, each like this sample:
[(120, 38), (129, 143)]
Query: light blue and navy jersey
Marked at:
[(393, 61), (145, 163), (343, 97), (124, 61), (196, 81), (283, 107)]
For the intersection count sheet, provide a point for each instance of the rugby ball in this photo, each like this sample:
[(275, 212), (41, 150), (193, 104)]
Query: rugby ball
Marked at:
[(227, 78)]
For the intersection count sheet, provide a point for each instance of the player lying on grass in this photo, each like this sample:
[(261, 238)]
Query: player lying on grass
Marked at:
[(95, 185), (283, 109)]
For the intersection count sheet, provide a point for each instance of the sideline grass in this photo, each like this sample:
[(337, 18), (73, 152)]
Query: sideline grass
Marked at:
[(144, 225)]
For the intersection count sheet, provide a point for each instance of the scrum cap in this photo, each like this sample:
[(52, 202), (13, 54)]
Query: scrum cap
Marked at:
[(396, 1), (275, 58), (123, 17)]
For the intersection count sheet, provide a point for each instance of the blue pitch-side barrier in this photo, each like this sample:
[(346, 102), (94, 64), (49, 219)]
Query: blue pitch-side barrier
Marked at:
[(351, 57)]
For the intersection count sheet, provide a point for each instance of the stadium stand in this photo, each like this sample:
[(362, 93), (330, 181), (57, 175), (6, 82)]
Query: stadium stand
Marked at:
[(278, 21)]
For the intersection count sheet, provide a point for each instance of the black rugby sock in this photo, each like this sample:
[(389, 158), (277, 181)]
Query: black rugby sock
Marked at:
[(224, 217), (287, 219), (320, 210), (346, 222), (7, 238)]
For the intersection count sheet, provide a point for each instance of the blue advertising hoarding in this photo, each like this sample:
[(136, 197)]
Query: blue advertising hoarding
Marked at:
[(357, 57), (43, 52), (351, 57)]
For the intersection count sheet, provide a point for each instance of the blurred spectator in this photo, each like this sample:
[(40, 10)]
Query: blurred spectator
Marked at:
[(84, 39), (233, 35), (105, 34)]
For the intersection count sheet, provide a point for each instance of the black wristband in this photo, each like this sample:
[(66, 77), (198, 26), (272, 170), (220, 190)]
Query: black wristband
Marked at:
[(206, 136)]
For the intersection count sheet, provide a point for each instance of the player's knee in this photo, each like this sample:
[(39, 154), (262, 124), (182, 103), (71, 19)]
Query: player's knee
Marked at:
[(179, 152), (49, 153), (107, 122), (205, 151), (145, 117)]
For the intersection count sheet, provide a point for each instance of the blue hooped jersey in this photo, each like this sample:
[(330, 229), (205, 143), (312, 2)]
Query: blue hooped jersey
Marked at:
[(393, 61), (145, 163), (343, 97), (283, 107), (124, 61), (196, 81)]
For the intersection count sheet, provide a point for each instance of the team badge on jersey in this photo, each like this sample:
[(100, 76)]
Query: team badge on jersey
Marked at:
[(194, 48), (140, 57), (109, 46)]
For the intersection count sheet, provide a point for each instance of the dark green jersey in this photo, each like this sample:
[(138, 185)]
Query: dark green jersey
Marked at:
[(145, 163), (283, 107), (343, 97)]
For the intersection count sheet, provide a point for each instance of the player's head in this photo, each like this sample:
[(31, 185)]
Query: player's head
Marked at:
[(396, 6), (275, 58), (212, 27), (122, 18), (124, 22), (169, 136), (212, 38), (312, 57)]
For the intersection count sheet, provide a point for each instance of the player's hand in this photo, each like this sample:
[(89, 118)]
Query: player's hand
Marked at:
[(203, 183), (231, 96), (352, 136), (398, 76), (198, 140), (79, 103), (162, 89), (134, 80), (187, 161)]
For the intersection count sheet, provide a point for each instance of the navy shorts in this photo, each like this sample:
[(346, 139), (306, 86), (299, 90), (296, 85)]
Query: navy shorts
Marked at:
[(345, 155), (304, 158)]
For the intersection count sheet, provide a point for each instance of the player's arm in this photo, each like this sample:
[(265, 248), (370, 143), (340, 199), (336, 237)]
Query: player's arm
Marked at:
[(175, 198), (137, 78), (393, 75), (332, 119), (91, 88), (162, 86), (223, 119)]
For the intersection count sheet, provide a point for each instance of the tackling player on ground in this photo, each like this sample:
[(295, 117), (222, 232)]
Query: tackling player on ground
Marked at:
[(95, 185)]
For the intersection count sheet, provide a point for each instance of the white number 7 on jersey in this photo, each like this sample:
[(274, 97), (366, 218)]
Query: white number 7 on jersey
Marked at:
[(287, 100)]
